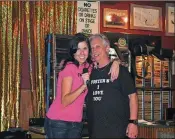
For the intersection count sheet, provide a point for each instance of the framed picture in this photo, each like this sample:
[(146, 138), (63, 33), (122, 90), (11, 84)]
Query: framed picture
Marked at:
[(169, 19), (146, 17), (115, 18)]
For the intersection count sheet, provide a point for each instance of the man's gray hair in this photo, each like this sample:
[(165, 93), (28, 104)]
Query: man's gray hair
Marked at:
[(100, 36)]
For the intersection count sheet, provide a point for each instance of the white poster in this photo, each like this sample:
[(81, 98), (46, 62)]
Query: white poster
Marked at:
[(88, 17), (171, 21)]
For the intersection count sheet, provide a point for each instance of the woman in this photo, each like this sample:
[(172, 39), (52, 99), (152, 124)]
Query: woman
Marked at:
[(64, 117)]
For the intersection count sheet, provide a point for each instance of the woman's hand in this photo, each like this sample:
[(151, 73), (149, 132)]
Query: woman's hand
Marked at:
[(114, 70), (85, 77)]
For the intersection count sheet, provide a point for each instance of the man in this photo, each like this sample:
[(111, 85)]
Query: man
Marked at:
[(112, 106)]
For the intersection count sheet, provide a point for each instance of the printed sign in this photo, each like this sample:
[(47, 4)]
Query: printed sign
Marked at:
[(88, 17)]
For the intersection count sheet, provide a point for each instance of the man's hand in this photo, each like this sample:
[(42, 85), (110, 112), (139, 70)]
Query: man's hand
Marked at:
[(132, 131)]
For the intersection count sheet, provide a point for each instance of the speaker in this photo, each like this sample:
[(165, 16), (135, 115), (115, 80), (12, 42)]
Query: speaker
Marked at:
[(62, 47), (166, 53), (170, 114)]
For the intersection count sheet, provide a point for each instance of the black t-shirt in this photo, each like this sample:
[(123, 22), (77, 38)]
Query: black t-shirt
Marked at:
[(108, 103)]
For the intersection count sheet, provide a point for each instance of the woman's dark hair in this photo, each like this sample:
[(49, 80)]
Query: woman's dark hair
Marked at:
[(77, 38)]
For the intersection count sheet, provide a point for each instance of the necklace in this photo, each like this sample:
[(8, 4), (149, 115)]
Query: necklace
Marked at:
[(103, 68)]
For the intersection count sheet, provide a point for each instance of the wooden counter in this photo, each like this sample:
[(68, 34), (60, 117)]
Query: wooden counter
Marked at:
[(156, 131), (145, 131)]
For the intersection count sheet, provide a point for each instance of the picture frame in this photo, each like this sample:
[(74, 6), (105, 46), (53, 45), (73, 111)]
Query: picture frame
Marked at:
[(170, 19), (145, 17), (115, 18)]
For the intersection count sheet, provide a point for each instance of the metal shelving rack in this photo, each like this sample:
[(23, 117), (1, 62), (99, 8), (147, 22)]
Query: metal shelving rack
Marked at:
[(57, 48), (155, 89)]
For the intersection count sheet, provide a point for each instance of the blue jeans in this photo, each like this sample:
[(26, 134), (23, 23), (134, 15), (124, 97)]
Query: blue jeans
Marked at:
[(62, 129)]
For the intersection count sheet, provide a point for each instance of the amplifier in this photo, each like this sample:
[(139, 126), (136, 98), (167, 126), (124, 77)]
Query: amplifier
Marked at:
[(36, 122), (15, 133)]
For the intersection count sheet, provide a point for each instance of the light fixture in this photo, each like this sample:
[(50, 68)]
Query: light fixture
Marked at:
[(108, 18), (125, 19)]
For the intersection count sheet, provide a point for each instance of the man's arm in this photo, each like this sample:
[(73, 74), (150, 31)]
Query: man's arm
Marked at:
[(132, 129), (133, 103)]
